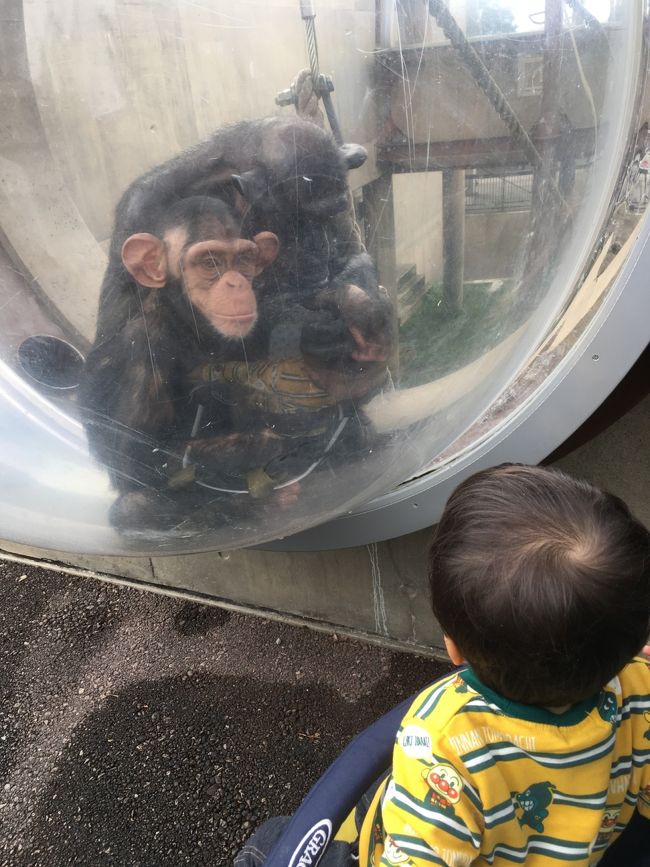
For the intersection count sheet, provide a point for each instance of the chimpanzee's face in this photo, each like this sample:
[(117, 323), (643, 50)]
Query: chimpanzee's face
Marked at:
[(217, 275), (213, 269), (217, 278)]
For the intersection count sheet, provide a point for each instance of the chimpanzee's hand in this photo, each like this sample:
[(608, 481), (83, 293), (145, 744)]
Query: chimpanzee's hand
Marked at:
[(370, 323)]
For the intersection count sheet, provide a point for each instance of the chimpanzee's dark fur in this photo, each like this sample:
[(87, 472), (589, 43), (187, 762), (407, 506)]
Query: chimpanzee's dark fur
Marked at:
[(281, 175)]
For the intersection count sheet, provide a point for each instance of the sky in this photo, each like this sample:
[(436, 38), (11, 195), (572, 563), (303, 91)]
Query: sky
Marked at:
[(524, 10)]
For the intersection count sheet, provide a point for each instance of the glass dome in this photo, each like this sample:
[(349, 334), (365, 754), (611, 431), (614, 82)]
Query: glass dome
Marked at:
[(261, 263)]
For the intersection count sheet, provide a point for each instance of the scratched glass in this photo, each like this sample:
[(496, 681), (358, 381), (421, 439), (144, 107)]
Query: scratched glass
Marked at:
[(294, 315)]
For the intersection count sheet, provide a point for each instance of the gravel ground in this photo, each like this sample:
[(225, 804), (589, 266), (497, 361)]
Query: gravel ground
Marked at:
[(142, 730)]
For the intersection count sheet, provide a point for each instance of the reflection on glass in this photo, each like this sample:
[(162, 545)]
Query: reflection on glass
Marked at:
[(278, 324)]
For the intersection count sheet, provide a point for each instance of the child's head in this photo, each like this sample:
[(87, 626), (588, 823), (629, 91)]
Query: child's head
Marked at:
[(542, 582)]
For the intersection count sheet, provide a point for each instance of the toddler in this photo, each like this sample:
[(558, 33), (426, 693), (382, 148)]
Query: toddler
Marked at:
[(537, 750)]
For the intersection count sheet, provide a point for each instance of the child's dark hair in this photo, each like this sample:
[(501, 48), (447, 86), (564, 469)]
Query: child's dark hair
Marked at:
[(542, 581)]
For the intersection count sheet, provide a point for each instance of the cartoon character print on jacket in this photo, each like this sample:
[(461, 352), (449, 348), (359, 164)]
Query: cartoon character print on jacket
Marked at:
[(459, 684), (607, 706), (533, 802), (394, 855), (445, 786), (646, 717), (607, 825)]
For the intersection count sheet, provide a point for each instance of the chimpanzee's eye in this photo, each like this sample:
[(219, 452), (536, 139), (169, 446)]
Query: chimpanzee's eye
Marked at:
[(321, 186), (211, 263), (247, 259)]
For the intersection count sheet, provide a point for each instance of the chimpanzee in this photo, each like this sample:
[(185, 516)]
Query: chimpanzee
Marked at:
[(161, 424), (287, 176)]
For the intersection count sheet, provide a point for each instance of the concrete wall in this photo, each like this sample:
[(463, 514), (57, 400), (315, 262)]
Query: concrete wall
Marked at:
[(377, 592), (618, 459), (97, 93), (436, 99), (418, 222), (493, 244), (122, 86), (493, 241)]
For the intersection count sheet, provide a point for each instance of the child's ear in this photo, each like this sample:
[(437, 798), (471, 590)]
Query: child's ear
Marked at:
[(452, 649)]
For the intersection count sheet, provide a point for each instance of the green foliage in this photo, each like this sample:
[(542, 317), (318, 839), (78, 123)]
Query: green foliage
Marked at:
[(434, 342), (495, 19)]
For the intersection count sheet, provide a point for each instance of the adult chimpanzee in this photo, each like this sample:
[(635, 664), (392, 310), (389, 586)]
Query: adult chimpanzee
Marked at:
[(289, 177), (160, 424)]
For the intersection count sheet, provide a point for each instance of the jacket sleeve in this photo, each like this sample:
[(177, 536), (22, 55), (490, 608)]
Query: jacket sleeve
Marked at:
[(637, 705)]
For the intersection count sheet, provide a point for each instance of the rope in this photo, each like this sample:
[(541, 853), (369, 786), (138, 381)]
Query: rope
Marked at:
[(307, 99), (481, 75), (447, 23)]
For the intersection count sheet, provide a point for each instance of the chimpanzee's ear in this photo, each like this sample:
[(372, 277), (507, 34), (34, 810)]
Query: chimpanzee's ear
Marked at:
[(252, 185), (354, 155), (268, 247), (144, 258)]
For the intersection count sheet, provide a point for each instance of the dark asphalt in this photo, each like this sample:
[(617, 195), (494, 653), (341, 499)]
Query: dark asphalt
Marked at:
[(141, 730)]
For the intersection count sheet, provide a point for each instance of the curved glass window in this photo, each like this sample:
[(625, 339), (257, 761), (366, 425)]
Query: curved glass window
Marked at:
[(262, 262)]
